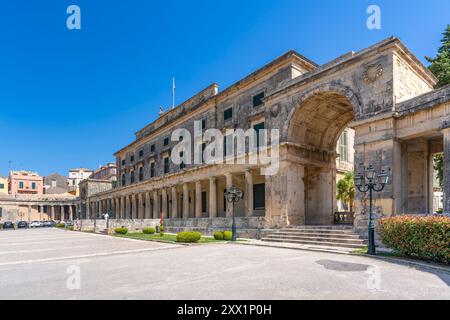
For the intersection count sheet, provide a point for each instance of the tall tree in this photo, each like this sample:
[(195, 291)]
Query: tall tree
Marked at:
[(440, 65), (346, 189)]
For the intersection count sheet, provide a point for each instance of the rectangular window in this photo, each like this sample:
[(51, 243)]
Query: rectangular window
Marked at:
[(203, 124), (182, 165), (166, 141), (204, 209), (260, 138), (33, 185), (152, 148), (123, 162), (132, 158), (2, 186), (258, 99), (141, 173), (152, 170), (123, 180), (132, 177), (141, 153), (21, 185), (343, 146), (166, 165), (228, 145), (202, 148), (259, 196), (228, 114)]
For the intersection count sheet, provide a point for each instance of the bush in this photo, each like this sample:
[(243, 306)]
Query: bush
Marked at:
[(161, 229), (60, 225), (228, 235), (71, 228), (218, 235), (161, 234), (188, 237), (149, 230), (121, 230), (425, 238)]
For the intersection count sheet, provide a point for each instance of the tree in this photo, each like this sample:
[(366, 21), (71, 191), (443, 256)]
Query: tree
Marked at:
[(346, 189), (439, 166), (440, 65)]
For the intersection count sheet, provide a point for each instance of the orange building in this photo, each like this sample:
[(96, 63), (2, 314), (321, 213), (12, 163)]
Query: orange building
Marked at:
[(25, 182)]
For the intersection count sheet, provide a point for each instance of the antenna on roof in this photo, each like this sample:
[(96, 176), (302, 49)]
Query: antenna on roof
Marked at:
[(173, 93)]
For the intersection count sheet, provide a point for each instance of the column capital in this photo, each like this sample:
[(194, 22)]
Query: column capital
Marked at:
[(445, 125)]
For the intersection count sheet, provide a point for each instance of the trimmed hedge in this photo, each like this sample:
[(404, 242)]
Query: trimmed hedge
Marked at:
[(121, 230), (61, 225), (218, 235), (425, 238), (149, 230), (189, 237), (228, 235)]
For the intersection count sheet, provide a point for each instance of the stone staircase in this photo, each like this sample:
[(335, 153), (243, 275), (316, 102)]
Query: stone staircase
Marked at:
[(321, 236)]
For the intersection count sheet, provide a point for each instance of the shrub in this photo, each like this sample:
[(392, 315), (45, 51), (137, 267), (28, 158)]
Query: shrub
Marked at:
[(71, 228), (121, 230), (218, 235), (161, 234), (60, 225), (426, 238), (161, 229), (228, 235), (149, 230), (188, 237)]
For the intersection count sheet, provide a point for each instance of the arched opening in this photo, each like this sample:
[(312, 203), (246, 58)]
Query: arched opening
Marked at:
[(315, 130)]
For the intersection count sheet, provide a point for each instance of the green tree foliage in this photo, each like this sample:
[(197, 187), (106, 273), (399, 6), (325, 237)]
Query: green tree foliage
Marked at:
[(440, 65), (439, 167), (346, 189)]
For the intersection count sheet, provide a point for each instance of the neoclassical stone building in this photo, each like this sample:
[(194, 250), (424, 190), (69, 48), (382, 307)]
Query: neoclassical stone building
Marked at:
[(383, 93)]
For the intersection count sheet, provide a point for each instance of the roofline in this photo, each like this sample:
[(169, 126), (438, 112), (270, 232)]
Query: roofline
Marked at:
[(292, 54)]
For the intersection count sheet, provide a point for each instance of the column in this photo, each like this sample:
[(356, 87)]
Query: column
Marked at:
[(164, 203), (141, 206), (41, 210), (446, 173), (29, 213), (174, 202), (127, 214), (88, 209), (185, 201), (148, 207), (52, 212), (229, 184), (155, 205), (71, 213), (198, 199), (122, 207), (212, 197), (248, 193)]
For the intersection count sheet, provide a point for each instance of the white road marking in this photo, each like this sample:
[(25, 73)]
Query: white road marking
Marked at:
[(103, 254), (41, 250), (42, 242)]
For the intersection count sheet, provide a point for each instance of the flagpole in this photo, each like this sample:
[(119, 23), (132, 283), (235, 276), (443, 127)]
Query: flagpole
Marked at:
[(173, 93)]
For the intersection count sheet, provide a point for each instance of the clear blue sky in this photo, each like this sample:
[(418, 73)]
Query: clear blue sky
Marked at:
[(72, 98)]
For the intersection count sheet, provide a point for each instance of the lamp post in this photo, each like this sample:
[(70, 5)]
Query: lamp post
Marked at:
[(233, 195), (370, 181)]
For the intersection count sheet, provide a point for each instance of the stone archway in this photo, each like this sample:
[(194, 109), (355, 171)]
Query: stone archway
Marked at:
[(313, 130)]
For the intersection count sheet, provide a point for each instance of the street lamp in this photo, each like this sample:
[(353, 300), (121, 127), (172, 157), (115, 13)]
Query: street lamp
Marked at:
[(369, 182), (233, 195)]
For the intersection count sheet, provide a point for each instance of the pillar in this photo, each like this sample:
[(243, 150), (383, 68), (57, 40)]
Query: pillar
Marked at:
[(248, 193), (185, 201), (53, 212), (212, 197), (140, 207), (155, 205), (229, 184), (127, 214), (29, 213), (88, 209), (198, 199), (148, 213), (71, 213), (446, 170), (174, 202), (41, 210), (164, 202)]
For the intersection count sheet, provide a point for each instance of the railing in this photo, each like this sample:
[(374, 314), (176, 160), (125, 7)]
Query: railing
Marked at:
[(344, 218)]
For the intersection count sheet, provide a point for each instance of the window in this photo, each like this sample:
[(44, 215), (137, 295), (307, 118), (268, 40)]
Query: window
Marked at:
[(132, 158), (166, 141), (204, 209), (203, 124), (228, 114), (260, 138), (132, 177), (259, 196), (182, 165), (33, 185), (152, 170), (343, 146), (53, 184), (228, 145), (123, 162), (152, 148), (141, 173), (2, 186), (141, 153), (166, 165), (258, 99), (123, 180), (202, 148), (21, 185)]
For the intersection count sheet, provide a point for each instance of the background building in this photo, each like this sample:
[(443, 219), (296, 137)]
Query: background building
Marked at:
[(56, 184), (106, 172), (25, 182), (3, 185), (77, 175)]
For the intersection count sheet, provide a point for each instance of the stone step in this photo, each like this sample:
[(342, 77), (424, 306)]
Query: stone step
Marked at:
[(319, 228), (319, 243), (316, 231), (316, 238), (313, 234)]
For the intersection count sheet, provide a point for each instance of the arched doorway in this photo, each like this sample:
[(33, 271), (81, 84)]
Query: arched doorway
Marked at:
[(315, 127)]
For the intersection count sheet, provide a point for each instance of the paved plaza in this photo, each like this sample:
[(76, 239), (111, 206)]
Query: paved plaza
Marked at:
[(50, 264)]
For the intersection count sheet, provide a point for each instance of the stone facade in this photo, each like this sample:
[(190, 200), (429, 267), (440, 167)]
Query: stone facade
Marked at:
[(383, 93)]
